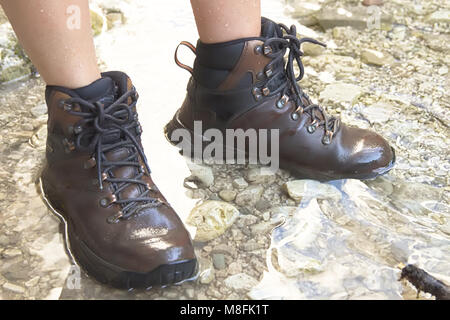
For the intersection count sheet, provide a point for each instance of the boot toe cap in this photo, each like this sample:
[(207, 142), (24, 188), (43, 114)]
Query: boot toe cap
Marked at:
[(370, 155)]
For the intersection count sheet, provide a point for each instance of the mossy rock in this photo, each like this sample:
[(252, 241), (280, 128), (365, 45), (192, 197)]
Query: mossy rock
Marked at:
[(96, 23), (14, 72)]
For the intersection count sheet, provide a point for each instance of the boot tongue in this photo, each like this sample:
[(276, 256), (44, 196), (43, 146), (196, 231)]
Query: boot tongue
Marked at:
[(102, 90), (270, 29)]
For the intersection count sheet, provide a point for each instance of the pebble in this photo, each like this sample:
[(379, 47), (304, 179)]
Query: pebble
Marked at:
[(240, 282), (219, 261), (240, 183), (260, 175), (202, 173), (249, 196), (11, 253), (33, 281), (14, 288), (341, 92), (39, 110), (298, 189), (439, 16), (212, 218), (206, 274), (376, 57), (372, 2), (227, 195), (234, 268)]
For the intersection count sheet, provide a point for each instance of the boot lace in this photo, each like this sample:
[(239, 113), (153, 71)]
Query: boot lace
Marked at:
[(107, 128), (284, 80)]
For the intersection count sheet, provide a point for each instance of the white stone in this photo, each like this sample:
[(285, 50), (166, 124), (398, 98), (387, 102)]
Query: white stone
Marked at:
[(240, 282), (439, 16), (260, 175), (377, 58), (13, 287), (227, 195), (203, 174), (299, 189), (341, 92), (240, 183), (249, 196), (212, 218)]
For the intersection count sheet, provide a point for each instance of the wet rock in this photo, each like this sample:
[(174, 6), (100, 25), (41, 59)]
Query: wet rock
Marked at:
[(234, 268), (33, 281), (372, 2), (240, 282), (355, 17), (219, 261), (39, 110), (299, 189), (266, 227), (438, 42), (439, 16), (206, 273), (263, 205), (251, 246), (240, 183), (376, 57), (260, 175), (11, 253), (311, 49), (227, 195), (201, 173), (246, 220), (341, 92), (249, 196), (212, 218), (224, 249), (14, 288), (379, 112), (190, 293), (336, 64)]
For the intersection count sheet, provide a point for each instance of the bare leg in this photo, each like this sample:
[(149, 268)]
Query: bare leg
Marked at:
[(57, 36), (225, 20)]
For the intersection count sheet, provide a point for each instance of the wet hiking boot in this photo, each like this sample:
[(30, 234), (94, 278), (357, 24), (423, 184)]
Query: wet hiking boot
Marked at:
[(120, 228), (248, 84)]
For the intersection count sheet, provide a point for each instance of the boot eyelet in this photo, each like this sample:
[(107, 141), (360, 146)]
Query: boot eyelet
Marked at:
[(294, 116), (69, 146), (282, 102), (327, 137), (267, 50), (257, 93), (77, 129), (115, 218), (65, 105), (105, 202), (266, 91), (258, 50), (269, 73), (260, 76), (91, 163), (311, 128)]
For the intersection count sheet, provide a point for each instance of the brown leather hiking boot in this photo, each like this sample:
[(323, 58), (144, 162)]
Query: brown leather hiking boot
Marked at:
[(120, 228), (247, 84)]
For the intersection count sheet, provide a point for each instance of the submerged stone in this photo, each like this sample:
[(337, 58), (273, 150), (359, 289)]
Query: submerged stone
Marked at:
[(212, 218)]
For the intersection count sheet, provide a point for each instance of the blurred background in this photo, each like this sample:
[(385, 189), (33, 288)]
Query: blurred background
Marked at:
[(385, 67)]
